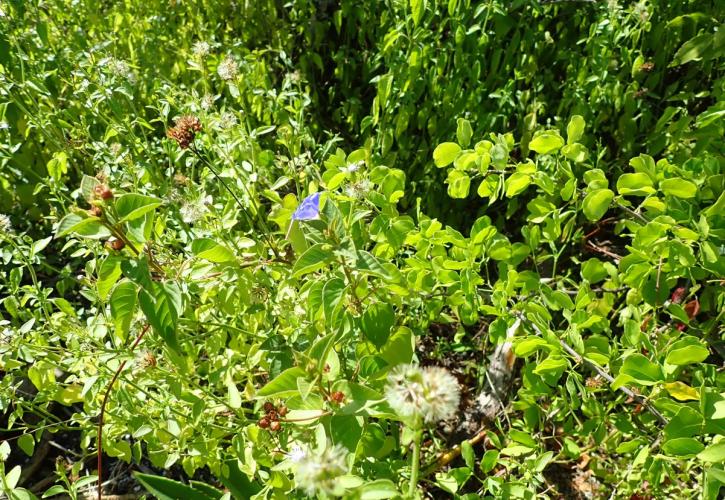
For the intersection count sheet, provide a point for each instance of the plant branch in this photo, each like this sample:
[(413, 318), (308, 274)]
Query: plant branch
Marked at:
[(103, 411), (601, 371)]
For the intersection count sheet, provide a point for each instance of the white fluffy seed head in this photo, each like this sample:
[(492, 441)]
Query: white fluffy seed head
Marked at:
[(320, 473), (201, 49), (430, 393), (228, 69), (5, 224)]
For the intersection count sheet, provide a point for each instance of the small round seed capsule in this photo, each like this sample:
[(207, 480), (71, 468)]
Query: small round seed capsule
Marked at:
[(275, 426)]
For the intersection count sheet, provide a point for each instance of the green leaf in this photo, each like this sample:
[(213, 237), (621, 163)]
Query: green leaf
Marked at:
[(694, 49), (575, 152), (529, 345), (123, 305), (459, 184), (332, 294), (377, 322), (314, 258), (464, 132), (594, 271), (575, 129), (687, 423), (685, 351), (553, 364), (132, 206), (208, 249), (681, 188), (517, 183), (399, 348), (378, 490), (547, 142), (162, 310), (108, 274), (27, 444), (714, 453), (635, 184), (417, 9), (642, 370), (88, 185), (681, 447), (284, 384), (445, 153), (596, 203), (168, 489), (369, 264), (88, 227)]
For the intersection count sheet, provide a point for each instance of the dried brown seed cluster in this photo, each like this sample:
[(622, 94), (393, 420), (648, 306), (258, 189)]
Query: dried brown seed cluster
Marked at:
[(337, 397), (103, 192), (184, 131), (116, 244), (271, 417)]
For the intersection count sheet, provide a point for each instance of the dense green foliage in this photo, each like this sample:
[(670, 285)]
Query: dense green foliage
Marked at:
[(262, 217)]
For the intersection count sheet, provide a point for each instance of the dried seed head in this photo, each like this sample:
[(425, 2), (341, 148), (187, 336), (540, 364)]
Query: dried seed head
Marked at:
[(431, 393), (95, 211), (337, 396), (275, 426), (201, 49), (319, 473), (228, 69), (184, 131), (117, 244), (268, 407), (103, 192), (282, 410), (263, 422)]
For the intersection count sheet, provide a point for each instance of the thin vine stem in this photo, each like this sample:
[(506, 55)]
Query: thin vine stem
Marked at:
[(99, 452)]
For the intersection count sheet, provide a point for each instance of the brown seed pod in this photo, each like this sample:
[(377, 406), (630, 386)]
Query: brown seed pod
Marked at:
[(337, 396), (268, 407), (117, 244), (103, 192), (95, 211), (282, 410), (264, 422), (275, 426)]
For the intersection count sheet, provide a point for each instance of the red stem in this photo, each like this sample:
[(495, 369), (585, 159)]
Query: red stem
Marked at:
[(103, 411)]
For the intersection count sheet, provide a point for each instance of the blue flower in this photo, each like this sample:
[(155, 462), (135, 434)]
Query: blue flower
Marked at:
[(309, 208)]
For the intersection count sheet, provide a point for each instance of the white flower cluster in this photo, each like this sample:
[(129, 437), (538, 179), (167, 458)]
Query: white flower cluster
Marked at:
[(353, 167), (5, 224), (319, 473), (120, 69), (207, 102), (430, 393), (228, 69), (201, 49), (227, 120), (358, 189)]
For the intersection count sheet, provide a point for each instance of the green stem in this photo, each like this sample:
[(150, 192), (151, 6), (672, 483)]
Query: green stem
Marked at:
[(415, 464)]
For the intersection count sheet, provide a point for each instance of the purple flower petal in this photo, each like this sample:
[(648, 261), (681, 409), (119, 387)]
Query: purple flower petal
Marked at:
[(309, 208)]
